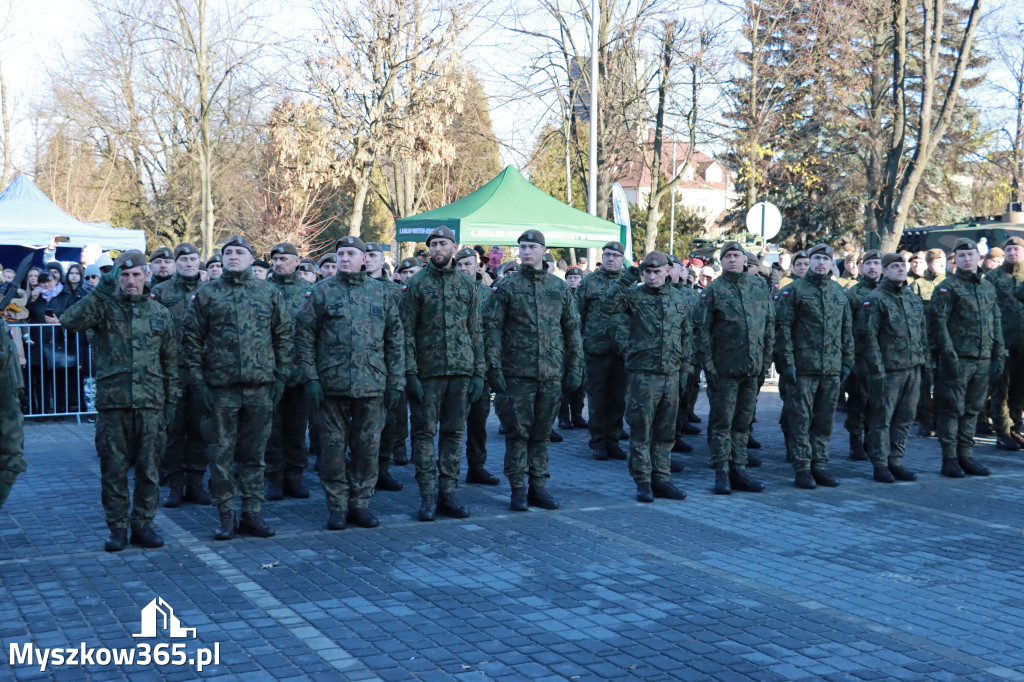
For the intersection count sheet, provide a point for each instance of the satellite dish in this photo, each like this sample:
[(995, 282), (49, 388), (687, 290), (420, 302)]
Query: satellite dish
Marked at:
[(764, 219)]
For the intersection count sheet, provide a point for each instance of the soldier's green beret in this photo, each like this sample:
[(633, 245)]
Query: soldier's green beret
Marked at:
[(822, 249), (534, 236), (442, 232), (408, 263), (184, 249), (350, 243), (731, 246), (305, 267), (964, 244), (574, 271), (890, 258), (613, 246), (506, 268), (215, 258), (548, 258), (374, 247), (934, 254), (260, 263), (920, 255), (237, 240), (162, 252), (674, 259), (130, 259), (800, 254), (1013, 241), (465, 253), (655, 259), (284, 249), (327, 258), (871, 254), (752, 258), (995, 252)]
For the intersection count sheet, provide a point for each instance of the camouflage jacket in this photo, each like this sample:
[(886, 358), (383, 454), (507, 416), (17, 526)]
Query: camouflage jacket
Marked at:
[(394, 287), (441, 319), (734, 326), (1007, 280), (237, 332), (135, 354), (925, 288), (175, 294), (599, 329), (10, 369), (965, 319), (890, 329), (813, 327), (660, 336), (856, 295), (532, 328), (293, 292), (349, 336)]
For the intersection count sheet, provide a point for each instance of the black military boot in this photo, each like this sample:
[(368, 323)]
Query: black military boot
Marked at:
[(565, 423), (752, 444), (428, 506), (275, 487), (667, 491), (579, 422), (688, 429), (519, 500), (675, 465), (753, 461), (117, 541), (857, 452), (823, 477), (643, 492), (363, 517), (740, 481), (951, 468), (925, 431), (449, 505), (1005, 441), (692, 418), (972, 468), (145, 536), (681, 446), (618, 433), (722, 486), (540, 497), (901, 473), (600, 453), (400, 457), (616, 452), (555, 437), (984, 427), (252, 523), (883, 475), (196, 493), (174, 497), (805, 480), (385, 481), (295, 487), (226, 529), (481, 476), (337, 520)]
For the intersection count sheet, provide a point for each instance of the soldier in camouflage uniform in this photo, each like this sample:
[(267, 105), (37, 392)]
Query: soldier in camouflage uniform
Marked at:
[(327, 265), (136, 360), (349, 339), (925, 288), (533, 341), (856, 402), (570, 415), (286, 457), (161, 263), (892, 345), (606, 369), (185, 455), (689, 393), (968, 333), (734, 326), (444, 371), (801, 264), (814, 348), (1007, 389), (657, 362), (214, 267), (12, 433), (237, 341)]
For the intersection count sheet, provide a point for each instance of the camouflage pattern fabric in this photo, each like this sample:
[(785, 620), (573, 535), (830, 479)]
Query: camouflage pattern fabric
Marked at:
[(184, 458), (293, 294), (813, 327), (444, 401), (925, 287), (1007, 395), (732, 402), (12, 433), (891, 330), (237, 430), (476, 430), (856, 389), (1007, 390), (597, 328), (127, 438), (734, 326), (965, 318), (176, 294), (890, 416), (355, 424), (286, 448), (396, 423), (810, 420), (528, 412), (959, 398), (660, 337), (651, 404)]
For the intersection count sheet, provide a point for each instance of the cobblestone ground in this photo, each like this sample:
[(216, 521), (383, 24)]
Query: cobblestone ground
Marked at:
[(867, 581)]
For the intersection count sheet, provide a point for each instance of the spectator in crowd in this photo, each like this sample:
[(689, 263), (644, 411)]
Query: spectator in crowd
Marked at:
[(260, 268)]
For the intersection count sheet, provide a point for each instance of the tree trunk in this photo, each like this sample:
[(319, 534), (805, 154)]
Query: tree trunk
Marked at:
[(205, 148)]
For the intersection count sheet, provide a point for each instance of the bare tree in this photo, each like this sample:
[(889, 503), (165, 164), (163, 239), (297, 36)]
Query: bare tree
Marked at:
[(1009, 46)]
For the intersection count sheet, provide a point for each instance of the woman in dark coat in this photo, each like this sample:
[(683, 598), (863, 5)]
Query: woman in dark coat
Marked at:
[(48, 356)]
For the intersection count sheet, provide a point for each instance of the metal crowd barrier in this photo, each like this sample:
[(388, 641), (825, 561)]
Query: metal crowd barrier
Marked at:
[(57, 371)]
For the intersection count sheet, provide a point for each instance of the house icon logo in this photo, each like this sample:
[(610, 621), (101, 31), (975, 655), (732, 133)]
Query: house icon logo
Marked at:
[(158, 614)]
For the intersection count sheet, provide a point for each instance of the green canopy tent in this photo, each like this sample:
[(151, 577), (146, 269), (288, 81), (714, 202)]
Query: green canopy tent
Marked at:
[(498, 212)]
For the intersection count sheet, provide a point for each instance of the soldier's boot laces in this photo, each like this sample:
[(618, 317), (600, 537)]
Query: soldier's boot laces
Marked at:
[(117, 541), (753, 461), (1004, 441), (675, 465), (823, 477), (363, 517), (805, 480), (481, 476), (972, 468), (739, 480), (722, 486), (196, 493), (901, 473), (681, 445), (883, 475), (540, 497), (857, 452), (428, 506), (174, 497), (519, 499), (449, 505), (616, 452), (275, 487), (145, 536), (951, 468), (337, 521), (385, 481), (252, 523), (295, 487), (667, 491), (644, 493), (226, 529)]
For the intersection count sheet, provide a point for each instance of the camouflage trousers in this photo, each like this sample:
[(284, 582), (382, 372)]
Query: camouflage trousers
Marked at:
[(890, 416), (476, 431), (394, 433), (810, 422), (12, 437), (856, 404), (1007, 391), (605, 379), (687, 400), (286, 448), (238, 429), (652, 401), (786, 391), (528, 412), (959, 399), (572, 404), (444, 403), (125, 439), (185, 457), (732, 411), (350, 424), (926, 402)]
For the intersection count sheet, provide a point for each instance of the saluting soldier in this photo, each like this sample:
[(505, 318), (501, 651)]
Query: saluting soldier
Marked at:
[(237, 341), (814, 345), (856, 402), (349, 338), (534, 352), (968, 333), (12, 431), (134, 351), (1007, 389)]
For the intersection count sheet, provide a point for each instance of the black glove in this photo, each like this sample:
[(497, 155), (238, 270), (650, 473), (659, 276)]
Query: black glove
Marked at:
[(276, 391), (107, 285), (631, 275), (414, 388), (951, 363), (315, 392), (203, 397), (393, 395), (711, 374), (497, 381), (571, 382), (475, 390)]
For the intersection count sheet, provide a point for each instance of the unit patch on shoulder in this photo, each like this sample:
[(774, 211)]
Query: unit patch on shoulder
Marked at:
[(943, 290)]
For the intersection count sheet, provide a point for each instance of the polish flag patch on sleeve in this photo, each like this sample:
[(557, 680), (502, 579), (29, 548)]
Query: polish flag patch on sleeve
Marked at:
[(867, 304), (943, 290)]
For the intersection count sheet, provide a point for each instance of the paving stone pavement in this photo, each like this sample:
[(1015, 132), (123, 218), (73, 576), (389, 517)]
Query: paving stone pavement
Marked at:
[(912, 581)]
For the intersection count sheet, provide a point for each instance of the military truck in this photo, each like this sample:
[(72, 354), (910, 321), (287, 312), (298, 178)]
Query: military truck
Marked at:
[(988, 231)]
